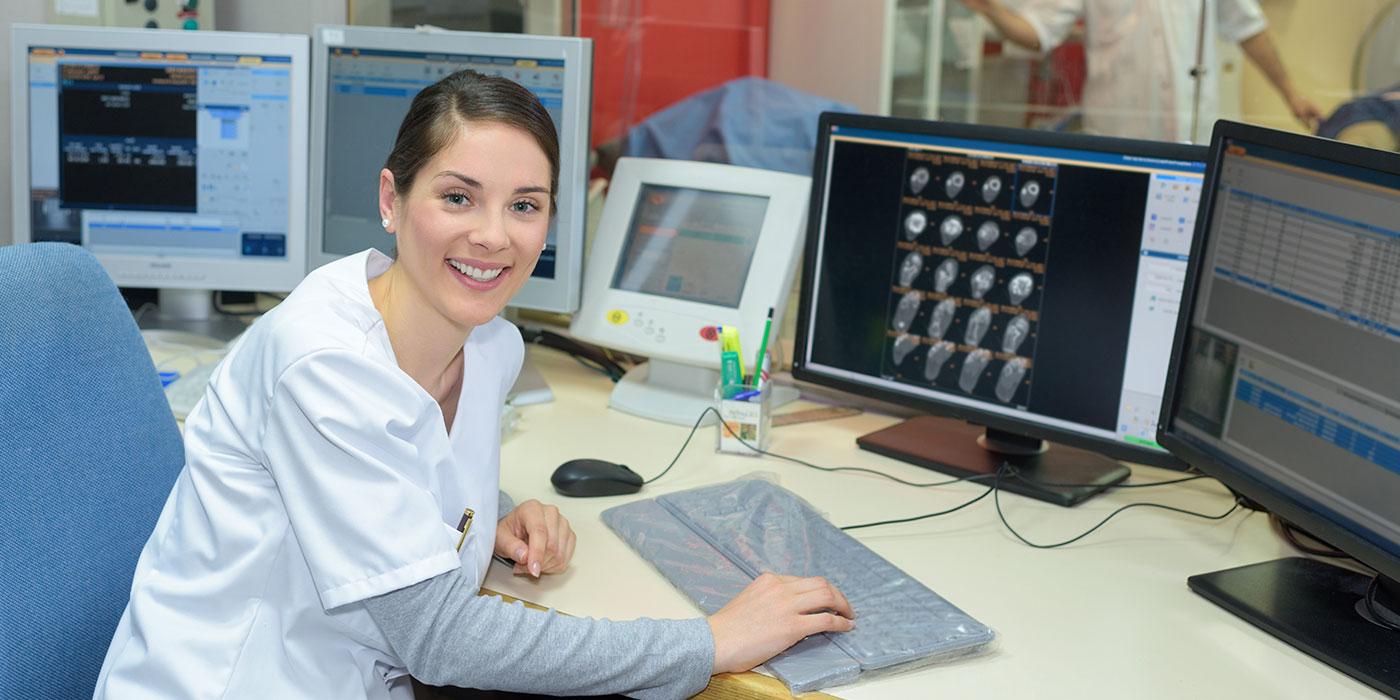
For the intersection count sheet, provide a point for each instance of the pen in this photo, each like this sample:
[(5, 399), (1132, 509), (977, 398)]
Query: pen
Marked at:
[(465, 524), (762, 348)]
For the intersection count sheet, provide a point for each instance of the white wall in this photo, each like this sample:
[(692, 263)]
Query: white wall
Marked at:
[(277, 16)]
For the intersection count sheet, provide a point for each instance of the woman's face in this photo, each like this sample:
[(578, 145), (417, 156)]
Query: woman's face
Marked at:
[(472, 227)]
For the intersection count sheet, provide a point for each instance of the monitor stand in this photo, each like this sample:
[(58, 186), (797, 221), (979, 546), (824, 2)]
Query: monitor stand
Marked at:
[(1044, 470), (1318, 608), (675, 393), (191, 311)]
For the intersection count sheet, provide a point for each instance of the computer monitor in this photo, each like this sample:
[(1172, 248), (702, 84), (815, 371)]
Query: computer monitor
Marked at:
[(1025, 281), (362, 84), (1285, 382), (177, 158), (682, 248)]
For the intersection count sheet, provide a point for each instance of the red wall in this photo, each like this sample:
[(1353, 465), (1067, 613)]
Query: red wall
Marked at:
[(648, 54)]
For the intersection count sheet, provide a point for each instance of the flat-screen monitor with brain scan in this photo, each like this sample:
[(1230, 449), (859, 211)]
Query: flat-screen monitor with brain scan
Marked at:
[(1024, 281), (681, 249)]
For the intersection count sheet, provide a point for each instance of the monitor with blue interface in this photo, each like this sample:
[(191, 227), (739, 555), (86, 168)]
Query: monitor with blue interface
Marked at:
[(1024, 281), (1285, 382), (176, 158), (362, 84)]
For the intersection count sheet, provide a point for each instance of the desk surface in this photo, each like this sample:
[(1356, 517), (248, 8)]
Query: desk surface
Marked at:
[(1108, 616)]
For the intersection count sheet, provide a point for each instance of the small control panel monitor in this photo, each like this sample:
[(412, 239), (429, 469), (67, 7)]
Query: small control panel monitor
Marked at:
[(1285, 382), (362, 84), (683, 248), (1024, 281), (177, 158)]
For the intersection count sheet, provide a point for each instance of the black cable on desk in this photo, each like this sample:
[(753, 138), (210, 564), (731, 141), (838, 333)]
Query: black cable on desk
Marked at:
[(996, 498)]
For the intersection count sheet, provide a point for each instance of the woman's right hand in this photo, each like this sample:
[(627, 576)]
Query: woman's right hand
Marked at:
[(773, 613)]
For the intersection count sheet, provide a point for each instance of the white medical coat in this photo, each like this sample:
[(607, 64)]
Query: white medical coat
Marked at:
[(1139, 55), (317, 474)]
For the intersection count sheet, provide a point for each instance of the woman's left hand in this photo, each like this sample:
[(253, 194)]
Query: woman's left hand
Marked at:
[(537, 538)]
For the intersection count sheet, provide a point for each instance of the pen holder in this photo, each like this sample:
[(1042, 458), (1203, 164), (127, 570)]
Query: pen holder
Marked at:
[(746, 412)]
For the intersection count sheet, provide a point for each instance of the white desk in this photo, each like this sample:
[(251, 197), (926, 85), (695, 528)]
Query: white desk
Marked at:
[(1110, 616)]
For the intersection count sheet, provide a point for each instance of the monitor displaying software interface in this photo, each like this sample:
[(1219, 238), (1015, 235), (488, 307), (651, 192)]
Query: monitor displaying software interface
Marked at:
[(1033, 282), (1289, 372), (364, 82), (170, 156)]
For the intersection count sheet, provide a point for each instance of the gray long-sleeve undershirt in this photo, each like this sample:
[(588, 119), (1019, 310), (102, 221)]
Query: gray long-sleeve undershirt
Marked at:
[(447, 635)]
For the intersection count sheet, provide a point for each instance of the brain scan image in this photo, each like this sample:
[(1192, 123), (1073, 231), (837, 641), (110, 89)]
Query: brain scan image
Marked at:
[(954, 184), (1026, 239), (942, 318), (1020, 287), (938, 356), (918, 180), (972, 369), (945, 275), (982, 281), (909, 269), (914, 224), (903, 345), (1009, 379), (977, 325), (987, 234), (904, 312), (950, 230), (1030, 192), (991, 188), (1016, 332)]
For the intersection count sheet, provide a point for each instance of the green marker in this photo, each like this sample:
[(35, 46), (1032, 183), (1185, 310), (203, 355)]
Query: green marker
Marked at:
[(762, 348)]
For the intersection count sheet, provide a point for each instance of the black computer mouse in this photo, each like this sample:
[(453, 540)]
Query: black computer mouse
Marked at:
[(594, 477)]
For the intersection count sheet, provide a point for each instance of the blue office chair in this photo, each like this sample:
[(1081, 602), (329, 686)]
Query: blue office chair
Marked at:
[(91, 451)]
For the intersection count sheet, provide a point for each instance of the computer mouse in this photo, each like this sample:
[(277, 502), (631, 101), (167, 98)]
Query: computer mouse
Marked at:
[(594, 477)]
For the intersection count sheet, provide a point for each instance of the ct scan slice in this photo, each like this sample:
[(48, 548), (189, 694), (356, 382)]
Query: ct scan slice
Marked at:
[(1026, 239), (914, 224), (950, 230), (945, 275), (905, 310), (990, 189), (982, 281), (954, 184), (909, 269), (902, 347), (1020, 287), (1029, 193), (1010, 378), (938, 356), (987, 234), (977, 325), (918, 180), (973, 364), (1016, 332), (941, 318)]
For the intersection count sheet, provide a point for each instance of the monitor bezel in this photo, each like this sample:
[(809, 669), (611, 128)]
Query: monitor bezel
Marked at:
[(1287, 503), (562, 293), (1114, 449), (165, 271)]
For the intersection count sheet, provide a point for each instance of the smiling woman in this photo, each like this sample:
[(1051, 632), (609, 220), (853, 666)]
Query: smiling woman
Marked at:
[(339, 504)]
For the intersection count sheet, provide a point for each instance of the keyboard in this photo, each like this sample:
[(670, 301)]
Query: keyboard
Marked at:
[(711, 542)]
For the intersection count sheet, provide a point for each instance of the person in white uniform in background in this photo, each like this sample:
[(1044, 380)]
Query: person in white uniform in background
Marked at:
[(1139, 56), (311, 548)]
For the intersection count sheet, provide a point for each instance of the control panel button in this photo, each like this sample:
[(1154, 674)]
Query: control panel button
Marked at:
[(709, 333), (617, 317)]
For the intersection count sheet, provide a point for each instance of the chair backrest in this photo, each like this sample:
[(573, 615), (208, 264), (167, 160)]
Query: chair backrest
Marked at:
[(90, 452)]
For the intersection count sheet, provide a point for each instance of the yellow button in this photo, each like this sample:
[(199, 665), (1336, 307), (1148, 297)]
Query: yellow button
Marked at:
[(617, 317)]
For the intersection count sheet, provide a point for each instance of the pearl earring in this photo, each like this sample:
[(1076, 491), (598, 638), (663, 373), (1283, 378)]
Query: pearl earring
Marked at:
[(384, 223)]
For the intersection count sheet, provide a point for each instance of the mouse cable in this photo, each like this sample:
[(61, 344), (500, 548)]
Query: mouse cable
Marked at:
[(996, 499), (711, 409), (1376, 616)]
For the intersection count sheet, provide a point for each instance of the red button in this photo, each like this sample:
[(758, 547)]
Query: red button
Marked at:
[(709, 333)]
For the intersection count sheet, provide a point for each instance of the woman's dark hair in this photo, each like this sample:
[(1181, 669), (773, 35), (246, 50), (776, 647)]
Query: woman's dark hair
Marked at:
[(462, 97)]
